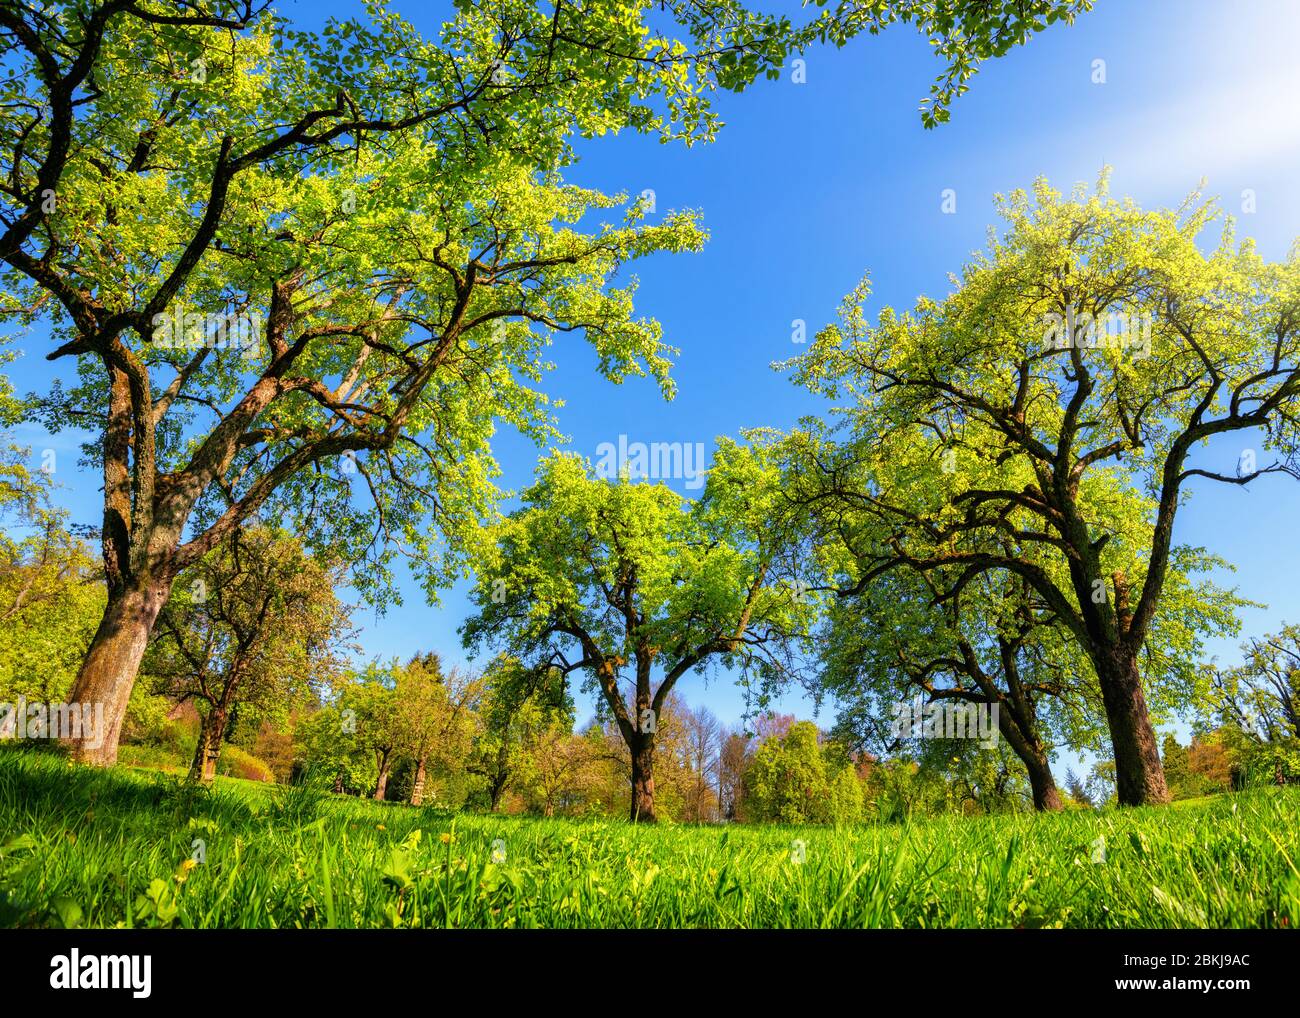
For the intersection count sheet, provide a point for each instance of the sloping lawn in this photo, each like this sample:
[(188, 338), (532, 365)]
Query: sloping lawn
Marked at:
[(131, 848)]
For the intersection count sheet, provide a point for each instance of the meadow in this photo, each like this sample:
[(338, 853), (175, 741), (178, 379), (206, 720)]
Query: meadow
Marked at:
[(132, 848)]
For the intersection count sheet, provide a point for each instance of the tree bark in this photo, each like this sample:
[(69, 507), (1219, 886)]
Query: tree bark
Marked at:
[(643, 782), (208, 750), (1022, 736), (1139, 776), (382, 786), (417, 789), (1042, 783), (498, 790), (109, 668)]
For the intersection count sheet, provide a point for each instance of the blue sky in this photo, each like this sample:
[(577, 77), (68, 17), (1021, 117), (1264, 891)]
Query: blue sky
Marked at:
[(810, 185)]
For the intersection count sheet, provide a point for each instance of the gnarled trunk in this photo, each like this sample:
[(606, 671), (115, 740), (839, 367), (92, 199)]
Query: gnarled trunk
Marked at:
[(643, 782), (208, 751), (381, 787), (1023, 738), (497, 791), (109, 668), (1139, 776), (417, 789), (1042, 783)]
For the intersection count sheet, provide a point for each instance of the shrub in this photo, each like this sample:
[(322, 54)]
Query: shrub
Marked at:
[(238, 763)]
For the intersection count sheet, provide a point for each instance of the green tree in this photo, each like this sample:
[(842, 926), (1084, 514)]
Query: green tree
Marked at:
[(51, 594), (252, 628), (286, 262), (370, 703), (437, 715), (791, 780), (1039, 422), (990, 648), (1173, 755), (598, 577), (970, 640), (1262, 695), (1255, 708), (1077, 790), (328, 740), (520, 708)]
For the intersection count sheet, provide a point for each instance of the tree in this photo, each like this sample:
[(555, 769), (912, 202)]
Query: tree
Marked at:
[(596, 576), (329, 739), (1173, 755), (371, 704), (286, 260), (1254, 708), (1014, 427), (892, 644), (1210, 764), (521, 707), (1077, 790), (733, 760), (568, 767), (50, 594), (791, 780), (436, 717), (387, 302), (1262, 695), (1102, 789), (703, 739), (969, 641), (253, 627)]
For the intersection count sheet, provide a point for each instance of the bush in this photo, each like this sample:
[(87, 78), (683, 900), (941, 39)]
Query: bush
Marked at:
[(846, 798), (276, 749), (159, 758), (238, 763), (146, 722), (792, 781)]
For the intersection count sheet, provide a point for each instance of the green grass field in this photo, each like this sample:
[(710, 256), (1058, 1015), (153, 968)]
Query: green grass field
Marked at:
[(114, 848)]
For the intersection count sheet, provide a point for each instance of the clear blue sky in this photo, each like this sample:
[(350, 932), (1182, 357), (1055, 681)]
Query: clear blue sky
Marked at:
[(810, 185)]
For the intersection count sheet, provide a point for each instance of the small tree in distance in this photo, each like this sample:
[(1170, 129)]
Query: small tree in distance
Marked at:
[(615, 578), (255, 625)]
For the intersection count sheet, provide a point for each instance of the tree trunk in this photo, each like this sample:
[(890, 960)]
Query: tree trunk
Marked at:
[(382, 786), (1139, 776), (1042, 783), (498, 781), (417, 789), (1023, 739), (338, 782), (208, 750), (109, 668), (498, 790), (643, 782)]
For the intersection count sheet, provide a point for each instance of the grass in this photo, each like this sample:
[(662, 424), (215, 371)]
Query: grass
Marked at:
[(114, 848)]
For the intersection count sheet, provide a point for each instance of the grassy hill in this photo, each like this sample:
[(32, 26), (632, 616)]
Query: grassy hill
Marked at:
[(118, 847)]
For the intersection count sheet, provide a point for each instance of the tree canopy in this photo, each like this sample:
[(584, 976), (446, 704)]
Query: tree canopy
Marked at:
[(307, 272), (1039, 422), (604, 578)]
